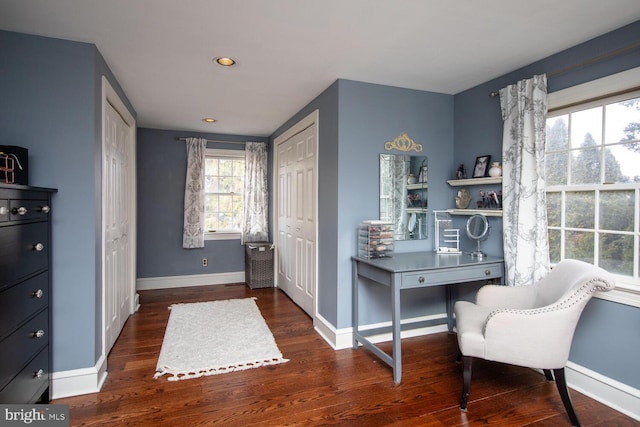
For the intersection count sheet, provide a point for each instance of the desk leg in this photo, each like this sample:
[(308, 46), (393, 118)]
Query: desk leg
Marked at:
[(354, 303), (395, 324), (450, 302)]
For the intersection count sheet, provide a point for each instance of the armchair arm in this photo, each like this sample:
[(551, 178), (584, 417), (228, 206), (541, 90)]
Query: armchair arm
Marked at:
[(539, 338), (506, 296)]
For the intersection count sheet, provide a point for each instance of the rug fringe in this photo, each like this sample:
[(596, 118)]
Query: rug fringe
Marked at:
[(177, 376)]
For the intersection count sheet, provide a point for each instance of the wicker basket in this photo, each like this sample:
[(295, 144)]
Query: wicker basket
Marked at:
[(258, 264)]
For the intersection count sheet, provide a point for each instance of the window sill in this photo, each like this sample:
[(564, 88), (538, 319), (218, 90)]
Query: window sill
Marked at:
[(622, 294), (222, 236)]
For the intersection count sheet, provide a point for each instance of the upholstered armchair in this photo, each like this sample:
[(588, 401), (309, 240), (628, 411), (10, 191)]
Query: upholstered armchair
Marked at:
[(529, 326)]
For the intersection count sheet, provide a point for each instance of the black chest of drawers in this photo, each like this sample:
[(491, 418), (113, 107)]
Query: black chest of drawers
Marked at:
[(25, 293)]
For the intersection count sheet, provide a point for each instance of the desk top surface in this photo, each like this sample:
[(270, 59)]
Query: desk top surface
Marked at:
[(414, 261)]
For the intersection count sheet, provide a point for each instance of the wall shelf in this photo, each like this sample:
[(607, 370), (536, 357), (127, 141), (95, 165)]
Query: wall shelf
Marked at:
[(474, 181), (418, 186), (485, 212), (417, 210)]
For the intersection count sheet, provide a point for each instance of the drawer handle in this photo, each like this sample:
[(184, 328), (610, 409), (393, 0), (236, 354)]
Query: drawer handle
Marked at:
[(3, 210), (20, 211), (38, 247), (38, 374), (421, 279), (38, 334), (37, 294), (44, 209), (487, 272)]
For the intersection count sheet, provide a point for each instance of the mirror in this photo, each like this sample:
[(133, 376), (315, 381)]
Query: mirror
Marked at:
[(403, 194), (478, 229)]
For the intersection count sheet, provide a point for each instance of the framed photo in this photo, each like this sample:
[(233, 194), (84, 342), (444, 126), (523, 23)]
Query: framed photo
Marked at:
[(482, 166)]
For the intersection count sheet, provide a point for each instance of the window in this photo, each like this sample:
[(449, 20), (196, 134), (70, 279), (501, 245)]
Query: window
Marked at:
[(593, 185), (224, 193)]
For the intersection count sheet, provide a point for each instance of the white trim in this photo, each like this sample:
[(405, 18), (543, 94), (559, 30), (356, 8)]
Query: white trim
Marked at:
[(600, 87), (222, 235), (110, 96), (605, 390), (340, 339), (166, 282), (79, 381)]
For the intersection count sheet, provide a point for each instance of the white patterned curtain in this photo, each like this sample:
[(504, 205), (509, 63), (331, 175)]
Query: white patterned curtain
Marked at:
[(193, 231), (526, 245), (256, 197)]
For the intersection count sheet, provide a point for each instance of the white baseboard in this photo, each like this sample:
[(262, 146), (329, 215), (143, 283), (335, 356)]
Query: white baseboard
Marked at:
[(340, 339), (147, 283), (605, 390), (79, 381)]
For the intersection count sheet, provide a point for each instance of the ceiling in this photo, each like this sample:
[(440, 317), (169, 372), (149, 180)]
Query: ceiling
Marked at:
[(289, 51)]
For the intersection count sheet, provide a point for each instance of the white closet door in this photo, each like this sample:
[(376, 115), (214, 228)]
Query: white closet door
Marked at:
[(296, 206), (118, 267)]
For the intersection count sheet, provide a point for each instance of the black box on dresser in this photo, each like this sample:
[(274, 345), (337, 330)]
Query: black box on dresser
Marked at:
[(25, 294)]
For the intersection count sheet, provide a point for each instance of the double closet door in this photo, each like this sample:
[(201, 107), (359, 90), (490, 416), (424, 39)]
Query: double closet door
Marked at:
[(296, 213)]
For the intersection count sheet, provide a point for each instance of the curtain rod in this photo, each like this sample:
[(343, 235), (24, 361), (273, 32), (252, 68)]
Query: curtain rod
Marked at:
[(590, 61), (183, 138)]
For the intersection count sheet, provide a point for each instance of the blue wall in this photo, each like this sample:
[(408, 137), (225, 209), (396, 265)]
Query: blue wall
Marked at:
[(161, 169), (606, 340), (51, 104)]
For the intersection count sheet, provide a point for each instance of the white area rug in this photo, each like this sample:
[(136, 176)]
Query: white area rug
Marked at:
[(210, 338)]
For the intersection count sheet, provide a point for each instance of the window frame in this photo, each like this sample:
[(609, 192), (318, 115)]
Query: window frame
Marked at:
[(223, 153), (585, 95)]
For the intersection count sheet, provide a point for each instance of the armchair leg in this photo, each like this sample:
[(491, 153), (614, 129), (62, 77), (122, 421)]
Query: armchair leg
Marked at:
[(466, 379), (561, 384), (547, 374)]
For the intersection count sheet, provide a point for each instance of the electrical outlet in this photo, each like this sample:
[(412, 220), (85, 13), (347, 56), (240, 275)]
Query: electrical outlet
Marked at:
[(205, 262)]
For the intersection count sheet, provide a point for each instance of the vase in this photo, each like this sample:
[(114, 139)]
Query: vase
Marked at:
[(411, 179), (496, 170)]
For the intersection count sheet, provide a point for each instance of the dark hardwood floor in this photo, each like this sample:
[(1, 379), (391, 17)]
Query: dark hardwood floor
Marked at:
[(318, 386)]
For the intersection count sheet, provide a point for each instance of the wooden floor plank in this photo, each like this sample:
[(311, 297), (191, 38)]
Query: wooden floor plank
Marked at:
[(318, 386)]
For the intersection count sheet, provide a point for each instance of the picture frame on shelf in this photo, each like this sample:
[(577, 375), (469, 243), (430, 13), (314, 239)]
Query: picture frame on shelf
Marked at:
[(481, 166)]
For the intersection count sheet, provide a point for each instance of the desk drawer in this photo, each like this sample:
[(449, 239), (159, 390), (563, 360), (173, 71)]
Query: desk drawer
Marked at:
[(446, 276), (28, 209)]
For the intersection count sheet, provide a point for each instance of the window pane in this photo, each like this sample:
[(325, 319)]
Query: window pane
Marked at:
[(226, 167), (585, 168), (579, 245), (622, 163), (556, 167), (622, 121), (616, 253), (586, 127), (211, 166), (616, 210), (580, 209), (554, 209), (238, 168), (557, 133), (554, 245), (238, 185)]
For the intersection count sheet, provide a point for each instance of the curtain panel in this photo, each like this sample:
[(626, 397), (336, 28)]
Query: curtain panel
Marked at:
[(256, 197), (193, 230), (526, 245)]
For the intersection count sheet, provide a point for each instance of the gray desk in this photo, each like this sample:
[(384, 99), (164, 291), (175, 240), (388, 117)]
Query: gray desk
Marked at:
[(416, 270)]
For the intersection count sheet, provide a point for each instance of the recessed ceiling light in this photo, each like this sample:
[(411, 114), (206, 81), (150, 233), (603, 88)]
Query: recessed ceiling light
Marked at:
[(209, 120), (225, 62)]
